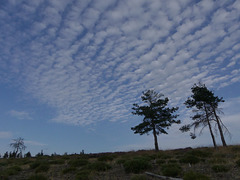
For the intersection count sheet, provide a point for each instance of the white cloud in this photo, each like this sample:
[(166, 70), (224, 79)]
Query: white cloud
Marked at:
[(34, 143), (5, 135), (20, 114), (91, 60)]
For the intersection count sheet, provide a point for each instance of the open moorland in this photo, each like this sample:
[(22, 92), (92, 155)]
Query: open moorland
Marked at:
[(188, 164)]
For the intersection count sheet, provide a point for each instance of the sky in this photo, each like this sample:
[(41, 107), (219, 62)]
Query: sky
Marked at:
[(70, 71)]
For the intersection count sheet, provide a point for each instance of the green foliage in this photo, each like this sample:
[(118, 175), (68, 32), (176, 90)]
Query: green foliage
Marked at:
[(172, 170), (3, 163), (139, 177), (57, 161), (106, 158), (83, 175), (5, 173), (121, 161), (44, 167), (136, 165), (37, 177), (35, 164), (28, 154), (172, 161), (238, 163), (98, 166), (201, 154), (220, 168), (188, 158), (235, 148), (78, 162), (160, 161), (12, 170), (3, 176), (144, 158), (195, 176), (217, 161), (69, 170), (162, 155)]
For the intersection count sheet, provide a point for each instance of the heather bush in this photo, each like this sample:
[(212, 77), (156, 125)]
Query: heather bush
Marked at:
[(172, 170), (195, 176), (98, 166), (69, 170), (37, 177), (238, 163), (189, 159), (220, 168), (106, 158), (136, 165), (83, 175), (44, 167), (139, 177), (13, 170), (78, 162)]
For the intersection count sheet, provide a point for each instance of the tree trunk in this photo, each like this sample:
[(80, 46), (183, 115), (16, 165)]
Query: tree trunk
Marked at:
[(210, 128), (219, 128), (155, 139)]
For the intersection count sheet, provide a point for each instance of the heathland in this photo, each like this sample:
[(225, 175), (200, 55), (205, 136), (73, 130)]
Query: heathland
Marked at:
[(200, 163)]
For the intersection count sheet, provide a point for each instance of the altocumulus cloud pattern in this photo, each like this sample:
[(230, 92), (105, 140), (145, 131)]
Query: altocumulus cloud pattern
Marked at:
[(90, 60)]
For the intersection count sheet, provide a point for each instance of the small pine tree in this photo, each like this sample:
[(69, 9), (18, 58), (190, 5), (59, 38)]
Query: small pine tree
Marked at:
[(5, 155)]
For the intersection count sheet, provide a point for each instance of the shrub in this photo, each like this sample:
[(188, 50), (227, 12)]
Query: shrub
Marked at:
[(28, 155), (189, 159), (98, 166), (199, 153), (172, 161), (235, 148), (161, 161), (195, 176), (144, 158), (83, 175), (35, 164), (238, 163), (172, 170), (162, 155), (37, 177), (42, 168), (139, 177), (12, 170), (106, 158), (136, 165), (220, 168), (57, 161), (69, 170), (121, 161), (78, 162), (217, 161)]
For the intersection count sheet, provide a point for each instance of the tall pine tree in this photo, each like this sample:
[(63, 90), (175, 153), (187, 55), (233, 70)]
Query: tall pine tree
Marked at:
[(206, 108)]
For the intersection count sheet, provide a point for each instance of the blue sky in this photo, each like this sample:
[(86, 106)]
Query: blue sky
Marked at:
[(71, 70)]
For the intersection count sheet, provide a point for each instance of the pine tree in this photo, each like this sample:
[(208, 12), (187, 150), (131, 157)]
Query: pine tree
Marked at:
[(206, 109), (157, 116)]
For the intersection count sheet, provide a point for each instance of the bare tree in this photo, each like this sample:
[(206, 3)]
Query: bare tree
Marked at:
[(18, 146)]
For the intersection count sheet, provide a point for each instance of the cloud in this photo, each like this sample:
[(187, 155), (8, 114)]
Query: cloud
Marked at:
[(91, 60), (35, 143), (5, 135), (20, 114)]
